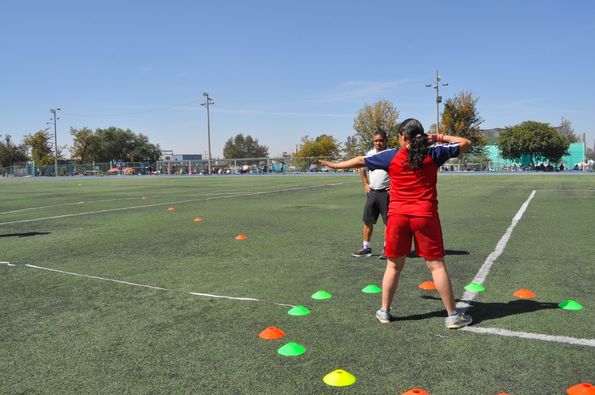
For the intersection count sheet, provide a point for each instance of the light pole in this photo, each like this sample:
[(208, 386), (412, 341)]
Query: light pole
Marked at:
[(436, 86), (54, 111), (208, 102)]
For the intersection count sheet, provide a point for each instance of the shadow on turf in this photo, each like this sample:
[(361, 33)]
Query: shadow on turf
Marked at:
[(26, 234), (482, 311)]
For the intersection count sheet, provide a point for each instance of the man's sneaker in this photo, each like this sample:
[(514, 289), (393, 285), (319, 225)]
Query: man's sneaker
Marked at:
[(385, 316), (362, 252), (458, 321)]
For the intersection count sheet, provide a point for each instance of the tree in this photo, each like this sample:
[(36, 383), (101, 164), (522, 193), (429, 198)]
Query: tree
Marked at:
[(351, 147), (104, 145), (244, 147), (539, 140), (323, 146), (85, 145), (567, 131), (381, 115), (114, 144), (461, 118), (41, 148), (10, 153), (143, 150)]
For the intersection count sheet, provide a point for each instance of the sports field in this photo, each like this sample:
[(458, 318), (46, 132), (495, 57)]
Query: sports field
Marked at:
[(105, 290)]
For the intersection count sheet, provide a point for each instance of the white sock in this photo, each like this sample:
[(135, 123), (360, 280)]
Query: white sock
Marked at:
[(366, 244)]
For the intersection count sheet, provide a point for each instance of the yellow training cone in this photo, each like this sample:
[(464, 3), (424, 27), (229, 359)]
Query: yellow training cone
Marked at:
[(339, 378)]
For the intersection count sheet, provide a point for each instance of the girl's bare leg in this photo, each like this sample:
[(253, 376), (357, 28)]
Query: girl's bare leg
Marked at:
[(394, 267), (442, 281)]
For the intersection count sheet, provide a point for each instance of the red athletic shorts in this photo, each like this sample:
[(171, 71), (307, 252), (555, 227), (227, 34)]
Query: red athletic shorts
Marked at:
[(426, 232)]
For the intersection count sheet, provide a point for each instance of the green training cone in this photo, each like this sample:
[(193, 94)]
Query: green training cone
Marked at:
[(371, 289), (474, 287), (299, 310), (292, 349), (339, 378), (570, 305), (321, 295)]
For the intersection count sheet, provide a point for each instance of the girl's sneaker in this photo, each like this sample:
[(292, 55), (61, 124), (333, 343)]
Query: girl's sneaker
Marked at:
[(458, 321), (385, 316)]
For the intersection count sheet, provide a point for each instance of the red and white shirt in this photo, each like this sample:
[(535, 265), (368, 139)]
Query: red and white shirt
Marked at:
[(413, 192)]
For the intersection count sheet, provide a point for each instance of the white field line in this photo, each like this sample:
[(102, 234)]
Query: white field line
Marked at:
[(484, 270), (161, 197), (565, 190), (39, 208), (116, 199), (150, 286), (7, 264), (166, 203), (533, 336), (95, 277)]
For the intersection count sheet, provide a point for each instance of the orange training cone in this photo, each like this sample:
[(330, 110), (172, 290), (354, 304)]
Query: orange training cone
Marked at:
[(241, 237), (271, 333), (171, 209), (427, 286), (198, 219), (581, 389), (524, 294), (415, 391)]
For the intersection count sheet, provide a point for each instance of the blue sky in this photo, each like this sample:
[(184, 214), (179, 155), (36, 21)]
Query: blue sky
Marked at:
[(279, 70)]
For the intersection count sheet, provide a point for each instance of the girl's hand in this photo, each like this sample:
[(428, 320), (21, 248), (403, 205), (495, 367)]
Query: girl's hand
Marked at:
[(434, 138)]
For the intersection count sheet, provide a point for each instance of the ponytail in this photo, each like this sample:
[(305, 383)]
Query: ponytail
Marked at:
[(413, 131)]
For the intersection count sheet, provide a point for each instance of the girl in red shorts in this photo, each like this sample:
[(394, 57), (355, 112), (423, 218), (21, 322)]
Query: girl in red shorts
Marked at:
[(413, 210)]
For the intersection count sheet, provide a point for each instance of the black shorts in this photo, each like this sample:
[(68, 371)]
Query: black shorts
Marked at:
[(376, 204)]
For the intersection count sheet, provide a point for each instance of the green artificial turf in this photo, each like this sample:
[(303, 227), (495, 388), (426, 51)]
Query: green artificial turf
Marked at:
[(61, 333)]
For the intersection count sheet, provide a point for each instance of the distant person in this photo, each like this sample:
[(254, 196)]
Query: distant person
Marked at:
[(413, 210), (376, 184)]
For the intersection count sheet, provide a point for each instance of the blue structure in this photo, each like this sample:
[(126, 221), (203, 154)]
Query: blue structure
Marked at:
[(576, 155)]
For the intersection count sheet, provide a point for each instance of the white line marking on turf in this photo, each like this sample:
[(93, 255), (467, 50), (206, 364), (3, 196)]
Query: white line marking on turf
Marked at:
[(39, 208), (487, 265), (7, 264), (95, 277), (151, 286), (113, 200), (565, 190), (528, 335), (236, 298), (164, 204)]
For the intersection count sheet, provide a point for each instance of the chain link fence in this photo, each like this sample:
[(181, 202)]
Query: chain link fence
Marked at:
[(244, 166), (281, 165)]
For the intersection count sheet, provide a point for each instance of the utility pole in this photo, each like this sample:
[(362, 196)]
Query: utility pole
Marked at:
[(436, 86), (54, 111), (208, 102)]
